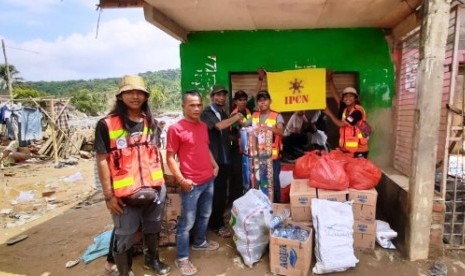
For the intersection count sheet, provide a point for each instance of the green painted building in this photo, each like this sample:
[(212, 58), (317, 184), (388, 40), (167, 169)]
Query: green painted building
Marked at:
[(209, 58)]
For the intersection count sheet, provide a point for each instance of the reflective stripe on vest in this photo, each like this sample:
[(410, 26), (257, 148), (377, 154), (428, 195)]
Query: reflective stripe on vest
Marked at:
[(135, 163), (115, 134), (270, 121)]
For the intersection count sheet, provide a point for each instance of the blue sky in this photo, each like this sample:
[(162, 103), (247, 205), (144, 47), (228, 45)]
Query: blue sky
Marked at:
[(54, 40)]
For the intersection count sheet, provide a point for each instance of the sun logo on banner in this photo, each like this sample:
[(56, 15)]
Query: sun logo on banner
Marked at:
[(296, 85)]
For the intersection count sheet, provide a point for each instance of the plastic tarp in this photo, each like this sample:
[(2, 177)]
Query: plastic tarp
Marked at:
[(98, 248)]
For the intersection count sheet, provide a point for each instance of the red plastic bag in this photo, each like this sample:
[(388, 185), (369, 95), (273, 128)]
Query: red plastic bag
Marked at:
[(304, 164), (328, 174), (285, 194), (285, 191), (340, 156), (363, 174)]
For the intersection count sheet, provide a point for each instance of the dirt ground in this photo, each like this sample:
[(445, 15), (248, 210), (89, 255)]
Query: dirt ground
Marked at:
[(63, 233)]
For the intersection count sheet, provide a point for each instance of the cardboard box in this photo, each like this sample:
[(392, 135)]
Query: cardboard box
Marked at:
[(367, 197), (364, 212), (340, 196), (365, 227), (173, 189), (279, 207), (291, 257), (364, 206), (364, 241), (170, 220), (301, 199), (364, 235)]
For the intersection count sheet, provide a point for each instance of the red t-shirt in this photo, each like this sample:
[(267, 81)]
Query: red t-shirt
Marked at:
[(190, 141)]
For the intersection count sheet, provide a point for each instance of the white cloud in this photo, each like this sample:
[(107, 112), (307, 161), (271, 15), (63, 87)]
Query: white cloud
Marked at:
[(36, 6), (121, 47)]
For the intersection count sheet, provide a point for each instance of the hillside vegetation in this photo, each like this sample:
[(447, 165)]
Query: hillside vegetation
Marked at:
[(93, 97)]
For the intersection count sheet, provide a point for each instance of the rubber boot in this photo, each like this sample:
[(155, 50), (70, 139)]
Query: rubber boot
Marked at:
[(152, 257), (124, 263)]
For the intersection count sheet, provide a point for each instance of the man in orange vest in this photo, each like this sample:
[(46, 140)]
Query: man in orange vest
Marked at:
[(269, 119), (130, 172)]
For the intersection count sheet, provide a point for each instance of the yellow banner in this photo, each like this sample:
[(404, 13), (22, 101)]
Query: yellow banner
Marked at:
[(295, 90)]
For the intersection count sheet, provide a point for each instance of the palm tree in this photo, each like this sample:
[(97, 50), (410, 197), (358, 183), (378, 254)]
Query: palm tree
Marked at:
[(14, 75)]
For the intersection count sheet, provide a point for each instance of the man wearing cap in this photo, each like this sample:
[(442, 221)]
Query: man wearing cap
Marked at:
[(130, 172), (353, 116), (272, 120), (218, 125), (236, 187)]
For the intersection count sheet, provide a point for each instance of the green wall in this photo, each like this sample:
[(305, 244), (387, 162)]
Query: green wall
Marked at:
[(208, 58)]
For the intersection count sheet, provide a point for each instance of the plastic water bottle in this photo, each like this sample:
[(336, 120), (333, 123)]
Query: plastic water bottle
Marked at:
[(277, 220), (301, 235)]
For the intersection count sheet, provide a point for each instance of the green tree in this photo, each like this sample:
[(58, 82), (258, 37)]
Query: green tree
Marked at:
[(158, 97), (166, 86), (14, 75), (24, 92), (90, 103)]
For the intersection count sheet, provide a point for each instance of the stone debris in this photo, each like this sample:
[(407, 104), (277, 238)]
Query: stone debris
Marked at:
[(438, 268), (72, 263), (6, 211), (16, 239)]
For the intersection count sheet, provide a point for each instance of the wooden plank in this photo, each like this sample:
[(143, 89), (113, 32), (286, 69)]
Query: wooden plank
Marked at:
[(165, 23), (106, 4)]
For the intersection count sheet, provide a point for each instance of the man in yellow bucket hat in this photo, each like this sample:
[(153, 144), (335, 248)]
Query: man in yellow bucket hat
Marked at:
[(130, 172)]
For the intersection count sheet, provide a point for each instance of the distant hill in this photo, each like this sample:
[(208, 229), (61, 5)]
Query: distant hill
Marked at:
[(91, 96)]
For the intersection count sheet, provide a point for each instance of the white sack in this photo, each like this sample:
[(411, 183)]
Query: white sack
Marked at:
[(384, 235), (250, 217), (334, 243)]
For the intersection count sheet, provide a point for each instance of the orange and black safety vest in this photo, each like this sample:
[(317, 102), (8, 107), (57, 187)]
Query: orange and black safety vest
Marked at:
[(350, 137), (134, 161), (271, 120)]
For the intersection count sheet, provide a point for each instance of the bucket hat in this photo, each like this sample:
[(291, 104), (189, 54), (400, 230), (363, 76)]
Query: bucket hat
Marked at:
[(350, 90), (132, 82)]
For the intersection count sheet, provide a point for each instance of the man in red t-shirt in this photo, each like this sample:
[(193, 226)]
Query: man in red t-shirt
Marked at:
[(188, 139)]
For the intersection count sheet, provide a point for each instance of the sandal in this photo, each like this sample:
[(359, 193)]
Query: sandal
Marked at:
[(224, 232), (206, 246), (185, 267)]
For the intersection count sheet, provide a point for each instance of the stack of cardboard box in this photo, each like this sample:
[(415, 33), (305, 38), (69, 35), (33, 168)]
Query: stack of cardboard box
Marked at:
[(291, 257), (364, 208)]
